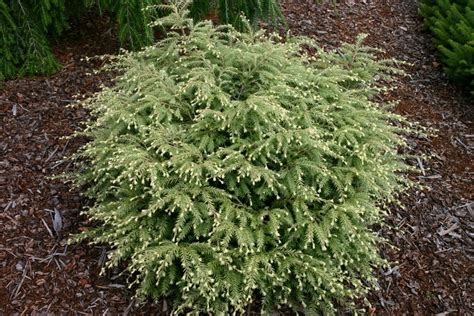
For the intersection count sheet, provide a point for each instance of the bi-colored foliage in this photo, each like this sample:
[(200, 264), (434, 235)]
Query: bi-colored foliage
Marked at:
[(452, 24), (226, 167)]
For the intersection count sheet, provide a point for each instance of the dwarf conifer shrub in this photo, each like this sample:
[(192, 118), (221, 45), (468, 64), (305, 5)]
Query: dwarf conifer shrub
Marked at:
[(452, 24), (226, 167)]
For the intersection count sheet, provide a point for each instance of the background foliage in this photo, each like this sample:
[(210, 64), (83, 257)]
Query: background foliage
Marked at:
[(26, 26), (228, 166), (452, 24), (24, 29)]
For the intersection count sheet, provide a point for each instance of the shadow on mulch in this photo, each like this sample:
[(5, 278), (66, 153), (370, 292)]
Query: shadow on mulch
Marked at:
[(432, 269)]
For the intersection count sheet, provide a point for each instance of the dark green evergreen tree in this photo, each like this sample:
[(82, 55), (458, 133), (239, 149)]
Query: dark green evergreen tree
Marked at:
[(24, 29), (8, 43), (27, 25), (452, 24)]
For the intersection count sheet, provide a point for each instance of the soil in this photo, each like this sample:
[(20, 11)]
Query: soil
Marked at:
[(432, 270)]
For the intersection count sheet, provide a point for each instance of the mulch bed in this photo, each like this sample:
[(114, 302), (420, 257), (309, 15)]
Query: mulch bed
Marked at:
[(432, 262)]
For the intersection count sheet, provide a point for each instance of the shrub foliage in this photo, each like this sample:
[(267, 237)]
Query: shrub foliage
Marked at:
[(228, 166), (452, 24), (27, 26)]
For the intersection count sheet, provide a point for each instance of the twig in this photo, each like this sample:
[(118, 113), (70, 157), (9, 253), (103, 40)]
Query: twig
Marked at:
[(444, 250), (449, 230), (49, 230), (461, 206), (48, 84), (421, 166), (24, 311), (51, 256), (58, 163), (436, 176), (25, 268), (111, 286), (52, 154), (129, 308), (65, 146), (464, 145), (9, 251), (8, 206), (82, 313), (57, 263)]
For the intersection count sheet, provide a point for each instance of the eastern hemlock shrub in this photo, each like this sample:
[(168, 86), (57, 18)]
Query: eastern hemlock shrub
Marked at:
[(226, 167), (452, 24)]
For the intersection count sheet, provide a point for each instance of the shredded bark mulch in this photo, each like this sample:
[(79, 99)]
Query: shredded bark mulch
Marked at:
[(432, 268)]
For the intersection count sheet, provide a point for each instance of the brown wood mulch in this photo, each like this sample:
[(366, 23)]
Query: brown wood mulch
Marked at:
[(432, 270)]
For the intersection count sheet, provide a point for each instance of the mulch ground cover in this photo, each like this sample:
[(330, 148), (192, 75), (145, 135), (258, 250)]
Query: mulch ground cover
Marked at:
[(433, 234)]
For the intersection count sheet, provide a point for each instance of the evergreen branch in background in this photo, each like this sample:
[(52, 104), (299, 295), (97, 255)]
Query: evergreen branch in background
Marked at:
[(38, 57), (27, 26), (452, 24), (24, 41), (226, 166), (230, 11), (8, 43), (133, 20)]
